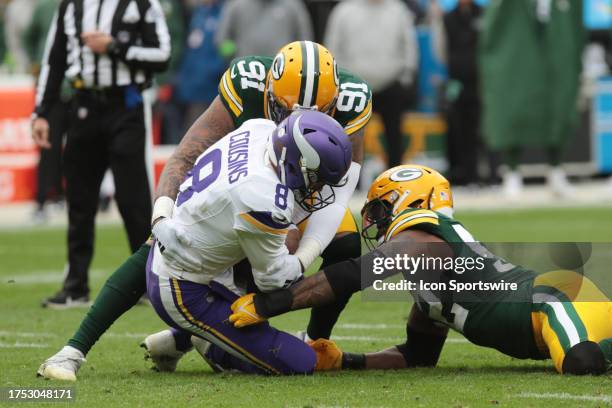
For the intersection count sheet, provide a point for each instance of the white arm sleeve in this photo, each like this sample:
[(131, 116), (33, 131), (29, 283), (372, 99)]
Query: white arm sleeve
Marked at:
[(323, 224), (273, 267)]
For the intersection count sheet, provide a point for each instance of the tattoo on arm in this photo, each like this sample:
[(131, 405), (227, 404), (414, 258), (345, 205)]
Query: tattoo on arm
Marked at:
[(211, 126), (312, 291), (357, 142)]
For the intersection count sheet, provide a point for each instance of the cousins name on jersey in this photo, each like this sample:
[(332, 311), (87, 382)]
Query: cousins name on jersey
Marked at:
[(238, 157)]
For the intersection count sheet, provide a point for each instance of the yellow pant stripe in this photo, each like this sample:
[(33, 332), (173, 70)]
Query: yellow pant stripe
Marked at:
[(218, 335)]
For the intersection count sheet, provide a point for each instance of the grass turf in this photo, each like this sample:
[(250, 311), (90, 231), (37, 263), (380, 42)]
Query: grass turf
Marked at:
[(117, 375)]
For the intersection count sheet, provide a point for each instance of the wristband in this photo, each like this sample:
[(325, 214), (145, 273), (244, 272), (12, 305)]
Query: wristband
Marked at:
[(272, 304), (352, 361), (163, 207)]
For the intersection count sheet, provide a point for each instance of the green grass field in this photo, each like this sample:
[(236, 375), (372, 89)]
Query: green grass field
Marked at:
[(116, 374)]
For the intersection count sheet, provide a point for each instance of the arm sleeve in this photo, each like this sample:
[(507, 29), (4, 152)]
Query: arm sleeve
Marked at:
[(53, 65), (323, 224), (263, 241), (154, 53)]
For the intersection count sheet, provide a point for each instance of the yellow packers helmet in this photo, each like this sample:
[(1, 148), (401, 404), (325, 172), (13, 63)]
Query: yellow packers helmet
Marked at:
[(303, 75), (399, 188)]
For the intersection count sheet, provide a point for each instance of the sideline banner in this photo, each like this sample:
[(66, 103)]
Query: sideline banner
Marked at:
[(18, 154)]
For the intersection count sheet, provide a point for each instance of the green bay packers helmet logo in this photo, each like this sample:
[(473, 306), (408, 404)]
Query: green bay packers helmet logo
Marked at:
[(406, 174), (278, 66)]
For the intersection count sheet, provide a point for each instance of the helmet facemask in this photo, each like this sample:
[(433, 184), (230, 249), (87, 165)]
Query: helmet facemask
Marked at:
[(376, 218), (278, 111), (315, 195)]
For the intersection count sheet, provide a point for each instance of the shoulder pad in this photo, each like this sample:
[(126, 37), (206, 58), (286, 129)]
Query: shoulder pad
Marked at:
[(267, 124), (409, 218), (262, 194), (245, 77), (354, 104)]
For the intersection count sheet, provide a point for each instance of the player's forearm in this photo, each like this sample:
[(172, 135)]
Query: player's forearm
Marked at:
[(357, 142), (211, 126), (311, 291)]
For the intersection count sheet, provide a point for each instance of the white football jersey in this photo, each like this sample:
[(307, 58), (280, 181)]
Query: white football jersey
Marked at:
[(232, 206)]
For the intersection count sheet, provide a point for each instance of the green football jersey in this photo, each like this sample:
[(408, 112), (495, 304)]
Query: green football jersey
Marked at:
[(497, 319), (242, 89)]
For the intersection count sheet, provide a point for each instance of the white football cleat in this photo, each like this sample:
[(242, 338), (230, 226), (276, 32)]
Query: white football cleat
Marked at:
[(63, 365), (161, 349), (202, 346)]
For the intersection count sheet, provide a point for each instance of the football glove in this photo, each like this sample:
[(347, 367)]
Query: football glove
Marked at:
[(244, 312), (329, 355)]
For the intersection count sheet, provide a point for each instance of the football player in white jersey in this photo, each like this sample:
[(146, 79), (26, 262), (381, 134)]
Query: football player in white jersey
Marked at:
[(240, 200)]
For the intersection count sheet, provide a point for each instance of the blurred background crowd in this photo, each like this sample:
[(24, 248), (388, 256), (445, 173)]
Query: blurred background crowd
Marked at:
[(491, 92)]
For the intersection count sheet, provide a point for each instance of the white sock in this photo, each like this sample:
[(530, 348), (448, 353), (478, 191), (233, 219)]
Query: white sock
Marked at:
[(72, 351)]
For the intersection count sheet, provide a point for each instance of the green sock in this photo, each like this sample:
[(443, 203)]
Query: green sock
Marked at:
[(120, 292)]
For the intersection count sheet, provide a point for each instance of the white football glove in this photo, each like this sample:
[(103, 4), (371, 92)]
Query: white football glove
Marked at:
[(281, 273), (172, 240)]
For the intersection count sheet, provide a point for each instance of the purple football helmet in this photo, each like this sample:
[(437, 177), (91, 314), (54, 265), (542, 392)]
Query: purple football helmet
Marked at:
[(309, 150)]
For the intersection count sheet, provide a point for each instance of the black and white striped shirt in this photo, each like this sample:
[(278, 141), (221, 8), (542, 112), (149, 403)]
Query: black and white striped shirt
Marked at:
[(141, 47)]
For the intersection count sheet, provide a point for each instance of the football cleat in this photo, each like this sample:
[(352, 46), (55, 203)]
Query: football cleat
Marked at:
[(63, 365), (161, 349), (63, 300), (202, 347), (329, 355)]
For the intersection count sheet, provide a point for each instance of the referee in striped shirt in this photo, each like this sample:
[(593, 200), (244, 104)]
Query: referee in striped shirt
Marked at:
[(108, 50)]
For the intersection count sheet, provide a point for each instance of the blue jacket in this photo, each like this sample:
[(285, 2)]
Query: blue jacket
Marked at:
[(201, 65)]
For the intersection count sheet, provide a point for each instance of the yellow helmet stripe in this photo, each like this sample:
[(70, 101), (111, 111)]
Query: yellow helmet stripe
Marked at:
[(310, 69), (410, 219), (230, 95), (360, 121)]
